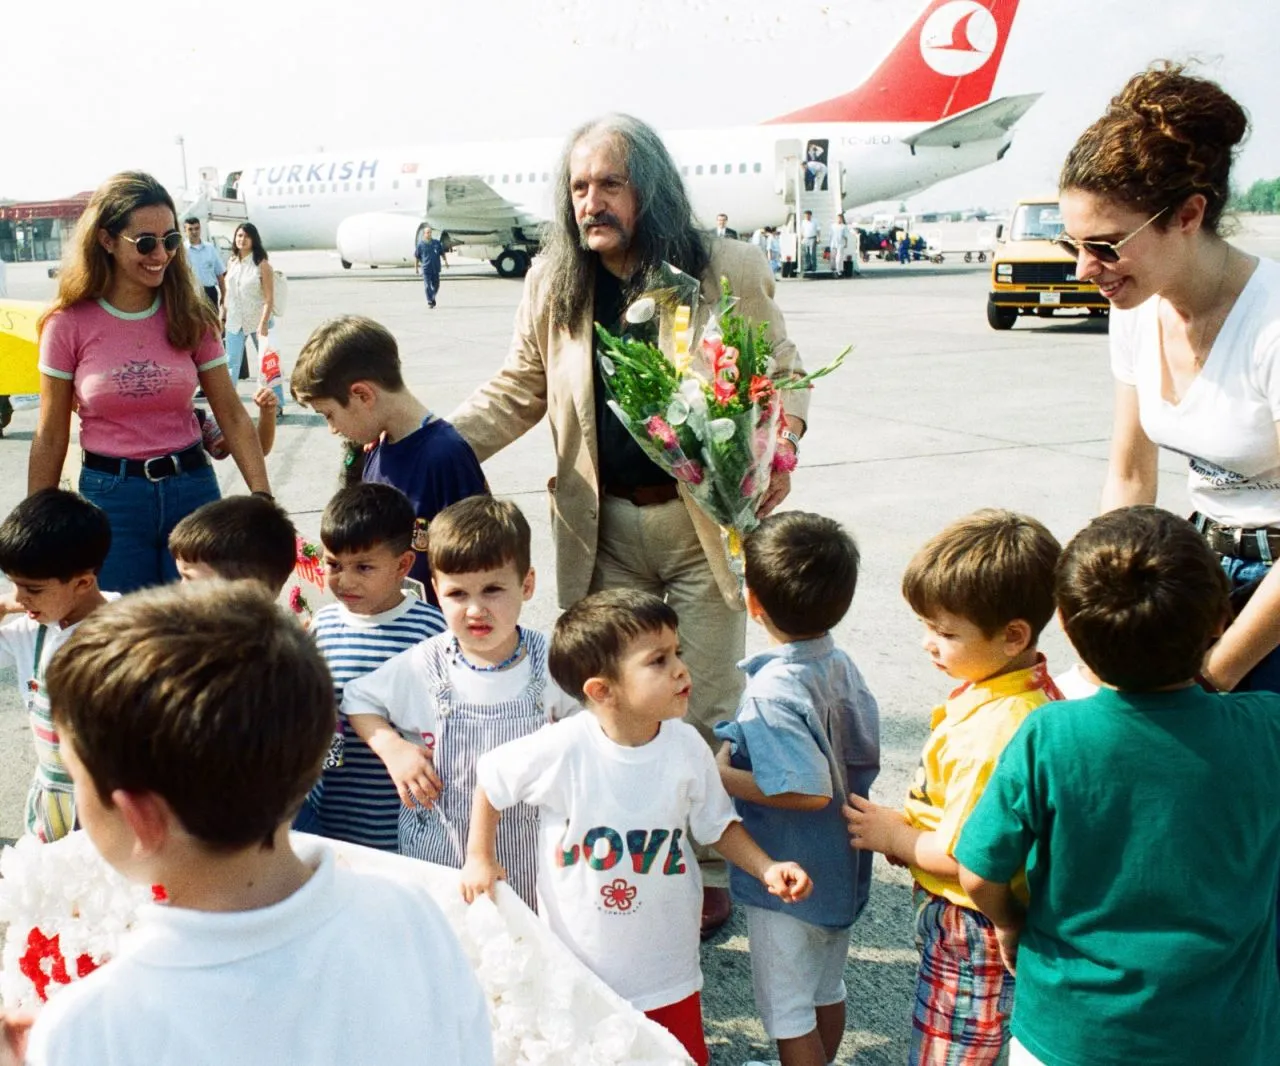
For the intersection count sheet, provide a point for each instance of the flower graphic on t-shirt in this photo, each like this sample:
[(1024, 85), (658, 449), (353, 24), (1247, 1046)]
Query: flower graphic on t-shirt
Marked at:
[(618, 894), (139, 379)]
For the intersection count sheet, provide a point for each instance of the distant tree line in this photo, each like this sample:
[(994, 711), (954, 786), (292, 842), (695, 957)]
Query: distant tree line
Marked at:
[(1262, 197)]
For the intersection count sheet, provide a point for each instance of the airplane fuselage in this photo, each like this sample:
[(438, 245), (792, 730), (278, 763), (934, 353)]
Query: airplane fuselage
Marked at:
[(744, 173)]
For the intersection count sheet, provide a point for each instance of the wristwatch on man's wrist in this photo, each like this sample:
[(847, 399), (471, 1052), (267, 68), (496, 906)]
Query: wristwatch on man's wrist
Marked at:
[(793, 438)]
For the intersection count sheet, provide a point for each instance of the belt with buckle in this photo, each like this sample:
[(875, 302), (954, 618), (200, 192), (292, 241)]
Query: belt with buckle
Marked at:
[(645, 495), (1239, 541), (157, 468)]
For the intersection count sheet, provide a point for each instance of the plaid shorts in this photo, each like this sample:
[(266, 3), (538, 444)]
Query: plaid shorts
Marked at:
[(964, 995)]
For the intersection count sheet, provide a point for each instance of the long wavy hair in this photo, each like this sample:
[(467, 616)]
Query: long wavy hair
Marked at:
[(665, 230), (255, 240), (87, 268)]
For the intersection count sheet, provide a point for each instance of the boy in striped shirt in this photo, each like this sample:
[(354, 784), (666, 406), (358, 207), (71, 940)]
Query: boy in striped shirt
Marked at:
[(52, 546), (367, 532)]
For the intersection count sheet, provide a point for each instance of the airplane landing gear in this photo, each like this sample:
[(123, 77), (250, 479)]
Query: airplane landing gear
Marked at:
[(345, 265), (511, 263)]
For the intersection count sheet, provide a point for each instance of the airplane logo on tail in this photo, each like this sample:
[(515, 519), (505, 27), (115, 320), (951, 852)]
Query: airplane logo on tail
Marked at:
[(958, 38)]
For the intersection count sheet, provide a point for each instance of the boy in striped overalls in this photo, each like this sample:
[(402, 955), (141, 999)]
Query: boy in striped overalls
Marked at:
[(52, 546), (459, 694)]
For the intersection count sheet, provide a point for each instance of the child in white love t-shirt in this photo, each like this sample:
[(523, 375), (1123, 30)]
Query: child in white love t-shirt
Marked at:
[(622, 794)]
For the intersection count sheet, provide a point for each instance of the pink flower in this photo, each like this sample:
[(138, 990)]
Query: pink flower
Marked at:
[(297, 602), (661, 431), (784, 462), (687, 470)]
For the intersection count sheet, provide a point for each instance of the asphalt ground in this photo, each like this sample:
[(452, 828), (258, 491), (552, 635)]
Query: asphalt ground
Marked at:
[(933, 416)]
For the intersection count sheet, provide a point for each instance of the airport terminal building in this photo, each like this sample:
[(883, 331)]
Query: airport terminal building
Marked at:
[(30, 232)]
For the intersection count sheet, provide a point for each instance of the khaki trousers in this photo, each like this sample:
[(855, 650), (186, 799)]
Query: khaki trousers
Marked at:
[(656, 549)]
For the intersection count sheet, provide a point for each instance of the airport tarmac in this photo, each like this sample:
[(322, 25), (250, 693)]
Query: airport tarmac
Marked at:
[(934, 415)]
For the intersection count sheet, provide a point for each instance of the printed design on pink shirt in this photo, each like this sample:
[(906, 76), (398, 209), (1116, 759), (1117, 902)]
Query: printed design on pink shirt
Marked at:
[(618, 894), (139, 379)]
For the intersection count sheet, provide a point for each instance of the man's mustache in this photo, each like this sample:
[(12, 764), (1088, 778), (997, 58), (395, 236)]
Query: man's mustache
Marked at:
[(605, 218)]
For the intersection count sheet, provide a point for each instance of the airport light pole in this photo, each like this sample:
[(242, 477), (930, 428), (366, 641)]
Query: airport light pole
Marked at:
[(180, 141)]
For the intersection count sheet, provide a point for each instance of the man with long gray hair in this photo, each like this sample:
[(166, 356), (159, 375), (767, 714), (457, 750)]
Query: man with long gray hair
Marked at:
[(620, 211)]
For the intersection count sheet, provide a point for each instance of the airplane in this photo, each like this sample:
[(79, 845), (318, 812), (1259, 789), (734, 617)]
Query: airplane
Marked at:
[(924, 114)]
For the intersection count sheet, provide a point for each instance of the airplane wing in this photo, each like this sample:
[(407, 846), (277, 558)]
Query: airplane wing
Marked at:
[(465, 204), (987, 122)]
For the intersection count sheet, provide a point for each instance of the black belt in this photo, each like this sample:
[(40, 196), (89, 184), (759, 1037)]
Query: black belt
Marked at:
[(1239, 541), (645, 495), (156, 468)]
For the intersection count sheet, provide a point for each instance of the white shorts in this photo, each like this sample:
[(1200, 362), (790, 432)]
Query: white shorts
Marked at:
[(795, 968), (1020, 1056)]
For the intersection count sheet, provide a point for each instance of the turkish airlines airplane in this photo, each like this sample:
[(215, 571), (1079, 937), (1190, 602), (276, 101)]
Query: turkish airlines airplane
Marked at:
[(923, 115)]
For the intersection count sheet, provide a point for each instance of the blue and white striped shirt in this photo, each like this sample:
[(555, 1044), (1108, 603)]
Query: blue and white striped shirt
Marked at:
[(358, 801)]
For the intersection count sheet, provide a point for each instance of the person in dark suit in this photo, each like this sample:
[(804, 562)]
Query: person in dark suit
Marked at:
[(722, 227)]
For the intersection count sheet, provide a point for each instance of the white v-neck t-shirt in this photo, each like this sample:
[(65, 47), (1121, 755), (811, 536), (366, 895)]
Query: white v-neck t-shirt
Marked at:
[(1226, 423)]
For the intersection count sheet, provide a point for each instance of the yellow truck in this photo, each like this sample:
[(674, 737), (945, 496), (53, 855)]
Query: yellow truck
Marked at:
[(1032, 275)]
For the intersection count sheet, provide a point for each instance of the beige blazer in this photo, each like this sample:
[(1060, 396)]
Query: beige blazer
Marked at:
[(549, 371)]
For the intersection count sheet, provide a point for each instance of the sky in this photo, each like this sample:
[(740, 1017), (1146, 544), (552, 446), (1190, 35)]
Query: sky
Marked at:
[(94, 88)]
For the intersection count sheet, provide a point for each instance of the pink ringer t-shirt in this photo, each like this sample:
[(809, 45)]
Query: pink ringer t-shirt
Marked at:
[(133, 388)]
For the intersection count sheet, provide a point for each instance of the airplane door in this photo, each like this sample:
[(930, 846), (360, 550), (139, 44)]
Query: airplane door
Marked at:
[(786, 159)]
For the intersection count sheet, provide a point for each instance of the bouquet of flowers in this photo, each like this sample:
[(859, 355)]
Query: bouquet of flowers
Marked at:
[(707, 412)]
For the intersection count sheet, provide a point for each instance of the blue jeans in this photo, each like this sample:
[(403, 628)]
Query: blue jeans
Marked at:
[(142, 515), (431, 281), (235, 344), (1265, 677)]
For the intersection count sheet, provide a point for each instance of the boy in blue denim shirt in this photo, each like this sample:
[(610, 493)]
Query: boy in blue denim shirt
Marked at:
[(807, 733)]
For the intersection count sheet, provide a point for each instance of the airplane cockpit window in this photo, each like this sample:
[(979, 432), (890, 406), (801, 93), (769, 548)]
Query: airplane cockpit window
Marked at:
[(1036, 222)]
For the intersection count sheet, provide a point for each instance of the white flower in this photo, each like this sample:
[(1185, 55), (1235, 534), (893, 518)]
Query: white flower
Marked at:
[(722, 429), (641, 311)]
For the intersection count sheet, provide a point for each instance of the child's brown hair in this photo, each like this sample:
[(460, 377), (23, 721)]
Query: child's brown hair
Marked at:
[(239, 537), (207, 695), (591, 637), (479, 533), (339, 353), (990, 567)]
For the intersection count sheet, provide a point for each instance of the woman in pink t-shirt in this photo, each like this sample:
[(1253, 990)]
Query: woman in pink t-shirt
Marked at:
[(125, 344)]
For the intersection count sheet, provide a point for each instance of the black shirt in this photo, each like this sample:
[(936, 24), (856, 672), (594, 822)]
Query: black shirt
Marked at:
[(623, 463)]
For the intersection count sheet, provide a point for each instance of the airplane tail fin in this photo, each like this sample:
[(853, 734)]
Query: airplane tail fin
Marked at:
[(944, 64)]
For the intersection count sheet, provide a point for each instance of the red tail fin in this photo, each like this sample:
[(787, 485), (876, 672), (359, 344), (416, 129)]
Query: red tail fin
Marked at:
[(945, 63)]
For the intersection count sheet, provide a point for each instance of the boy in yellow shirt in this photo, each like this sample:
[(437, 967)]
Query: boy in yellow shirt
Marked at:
[(983, 588)]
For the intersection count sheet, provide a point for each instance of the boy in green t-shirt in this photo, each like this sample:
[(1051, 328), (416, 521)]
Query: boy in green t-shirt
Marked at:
[(1146, 818)]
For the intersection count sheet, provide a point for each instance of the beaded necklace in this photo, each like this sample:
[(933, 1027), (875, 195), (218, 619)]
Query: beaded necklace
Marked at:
[(510, 660)]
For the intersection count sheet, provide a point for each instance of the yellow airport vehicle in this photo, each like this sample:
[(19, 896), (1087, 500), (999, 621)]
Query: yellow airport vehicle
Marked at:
[(1030, 275)]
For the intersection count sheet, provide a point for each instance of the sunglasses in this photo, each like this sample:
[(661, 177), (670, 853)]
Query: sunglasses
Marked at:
[(146, 244), (1103, 251)]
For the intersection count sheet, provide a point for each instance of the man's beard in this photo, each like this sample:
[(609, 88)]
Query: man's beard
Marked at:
[(602, 219)]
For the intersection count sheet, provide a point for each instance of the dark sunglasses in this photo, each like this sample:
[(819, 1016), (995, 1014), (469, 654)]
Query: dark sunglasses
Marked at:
[(146, 244), (1103, 251)]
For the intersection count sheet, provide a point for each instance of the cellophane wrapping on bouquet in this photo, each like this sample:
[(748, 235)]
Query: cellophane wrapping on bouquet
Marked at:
[(705, 409)]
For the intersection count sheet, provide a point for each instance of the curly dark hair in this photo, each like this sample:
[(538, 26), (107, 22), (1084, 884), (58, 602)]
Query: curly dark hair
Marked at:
[(1165, 137)]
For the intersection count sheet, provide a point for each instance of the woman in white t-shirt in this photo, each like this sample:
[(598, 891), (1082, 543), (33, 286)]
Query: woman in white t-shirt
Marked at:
[(247, 312), (1195, 335)]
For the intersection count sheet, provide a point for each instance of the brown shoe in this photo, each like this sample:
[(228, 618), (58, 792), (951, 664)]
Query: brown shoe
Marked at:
[(716, 908)]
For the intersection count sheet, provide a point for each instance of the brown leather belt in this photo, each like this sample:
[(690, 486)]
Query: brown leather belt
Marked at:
[(1242, 543), (645, 495)]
